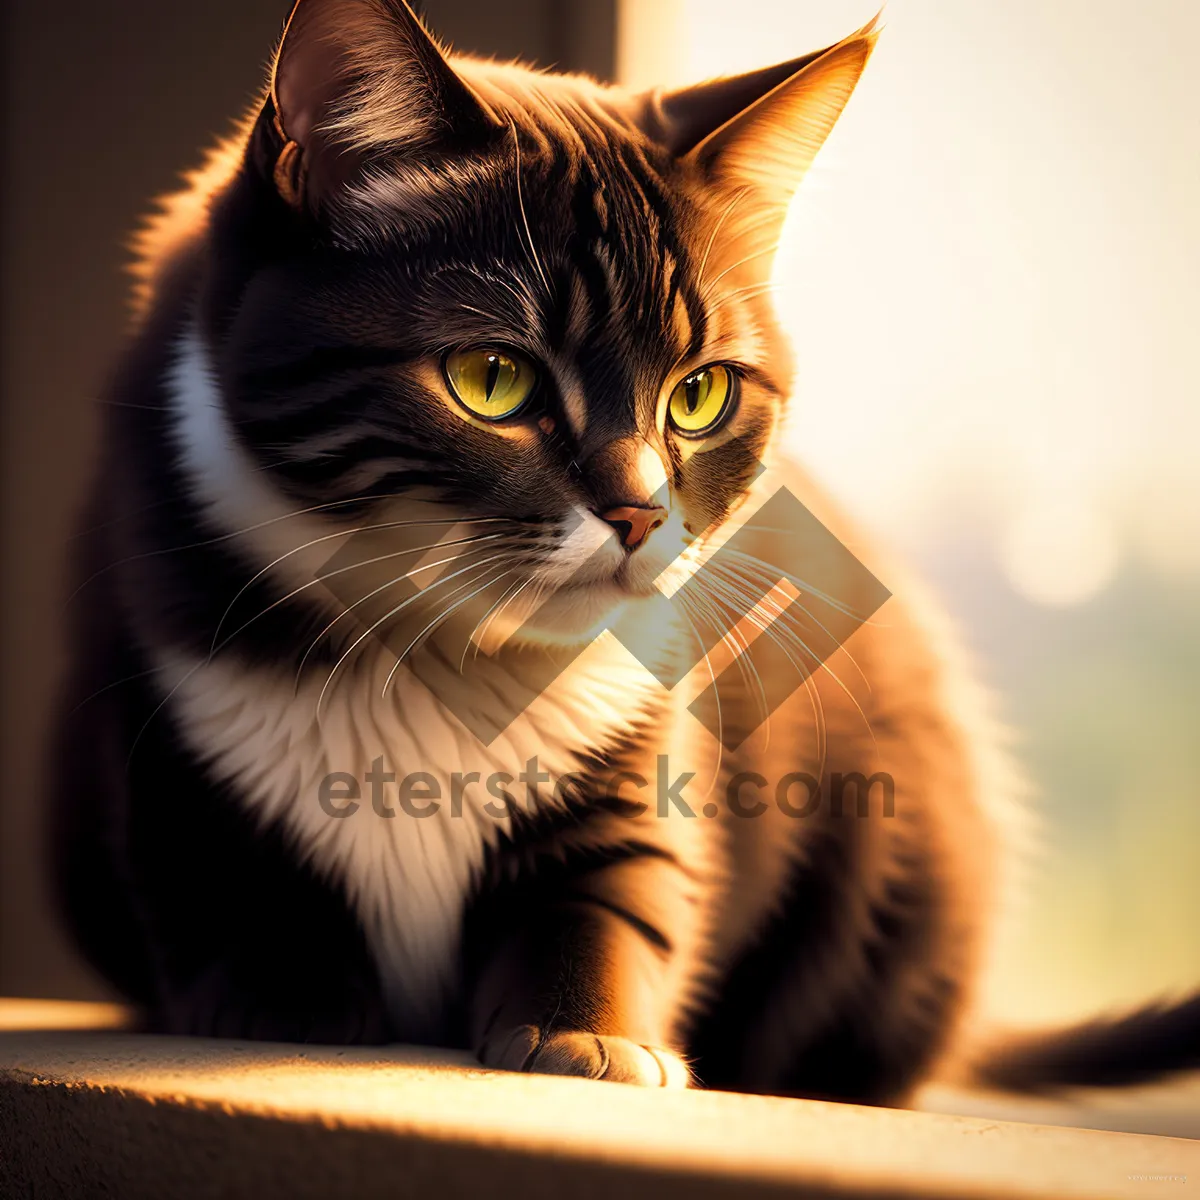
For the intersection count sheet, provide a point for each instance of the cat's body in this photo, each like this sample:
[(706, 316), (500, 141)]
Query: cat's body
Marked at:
[(281, 404)]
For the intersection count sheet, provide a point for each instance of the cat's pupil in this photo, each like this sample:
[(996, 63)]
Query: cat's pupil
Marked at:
[(695, 392), (493, 375)]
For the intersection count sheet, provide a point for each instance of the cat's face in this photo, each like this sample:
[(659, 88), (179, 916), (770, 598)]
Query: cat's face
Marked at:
[(535, 305)]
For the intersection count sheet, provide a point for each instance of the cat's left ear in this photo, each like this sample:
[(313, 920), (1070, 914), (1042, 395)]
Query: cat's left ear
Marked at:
[(356, 80), (761, 131)]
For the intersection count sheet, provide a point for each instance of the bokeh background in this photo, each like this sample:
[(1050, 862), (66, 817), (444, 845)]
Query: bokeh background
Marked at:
[(993, 280)]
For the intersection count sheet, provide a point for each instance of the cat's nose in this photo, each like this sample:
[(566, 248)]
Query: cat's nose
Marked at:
[(634, 524)]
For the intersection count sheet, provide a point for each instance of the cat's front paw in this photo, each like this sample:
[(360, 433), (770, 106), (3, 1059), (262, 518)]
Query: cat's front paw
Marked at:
[(588, 1055)]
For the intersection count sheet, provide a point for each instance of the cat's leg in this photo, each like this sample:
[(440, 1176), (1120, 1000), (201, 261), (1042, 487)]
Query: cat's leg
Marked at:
[(315, 994), (250, 941), (586, 973), (852, 988), (205, 919)]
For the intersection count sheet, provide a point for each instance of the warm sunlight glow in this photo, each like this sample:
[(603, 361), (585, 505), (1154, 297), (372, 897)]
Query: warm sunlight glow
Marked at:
[(992, 277), (1058, 553), (993, 270)]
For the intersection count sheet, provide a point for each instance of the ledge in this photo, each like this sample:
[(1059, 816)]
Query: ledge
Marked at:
[(100, 1111)]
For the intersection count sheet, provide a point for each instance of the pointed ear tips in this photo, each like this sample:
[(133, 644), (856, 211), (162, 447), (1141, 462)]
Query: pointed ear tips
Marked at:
[(278, 64), (860, 44), (292, 24), (317, 31), (873, 28), (855, 50), (864, 39)]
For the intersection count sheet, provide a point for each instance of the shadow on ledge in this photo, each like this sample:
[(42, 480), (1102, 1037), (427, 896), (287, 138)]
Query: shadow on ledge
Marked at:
[(87, 1111)]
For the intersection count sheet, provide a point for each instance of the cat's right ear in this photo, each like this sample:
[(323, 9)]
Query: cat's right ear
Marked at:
[(757, 134), (355, 81)]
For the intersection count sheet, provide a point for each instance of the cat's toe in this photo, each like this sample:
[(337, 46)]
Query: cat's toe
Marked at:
[(512, 1049), (626, 1061), (590, 1056)]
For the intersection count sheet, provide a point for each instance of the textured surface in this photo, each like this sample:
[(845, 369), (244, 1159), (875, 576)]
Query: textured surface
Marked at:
[(104, 1111)]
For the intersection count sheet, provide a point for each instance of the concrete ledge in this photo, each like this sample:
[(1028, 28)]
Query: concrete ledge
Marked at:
[(103, 1112)]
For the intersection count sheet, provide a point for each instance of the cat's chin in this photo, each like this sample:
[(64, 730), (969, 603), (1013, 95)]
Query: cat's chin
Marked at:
[(574, 614)]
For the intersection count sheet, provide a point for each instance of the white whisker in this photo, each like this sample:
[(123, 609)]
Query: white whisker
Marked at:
[(450, 523), (533, 254), (440, 619), (217, 539), (366, 562), (375, 592), (738, 197), (740, 263), (388, 616), (488, 617)]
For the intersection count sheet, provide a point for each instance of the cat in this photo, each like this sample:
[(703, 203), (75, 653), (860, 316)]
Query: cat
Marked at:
[(439, 321)]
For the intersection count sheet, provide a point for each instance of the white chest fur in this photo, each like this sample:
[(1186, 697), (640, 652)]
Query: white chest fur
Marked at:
[(406, 876)]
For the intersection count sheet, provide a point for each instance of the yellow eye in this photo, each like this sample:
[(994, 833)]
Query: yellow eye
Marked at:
[(700, 402), (489, 383)]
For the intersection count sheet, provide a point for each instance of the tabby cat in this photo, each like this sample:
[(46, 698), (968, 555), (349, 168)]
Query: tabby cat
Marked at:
[(444, 335)]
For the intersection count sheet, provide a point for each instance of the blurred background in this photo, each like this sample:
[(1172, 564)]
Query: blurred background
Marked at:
[(993, 280)]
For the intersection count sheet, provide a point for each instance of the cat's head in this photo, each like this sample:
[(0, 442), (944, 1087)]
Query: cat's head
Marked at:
[(524, 300)]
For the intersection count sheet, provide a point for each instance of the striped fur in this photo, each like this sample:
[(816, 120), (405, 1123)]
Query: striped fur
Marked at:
[(282, 408)]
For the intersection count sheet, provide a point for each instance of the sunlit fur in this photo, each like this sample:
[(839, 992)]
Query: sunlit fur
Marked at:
[(282, 407)]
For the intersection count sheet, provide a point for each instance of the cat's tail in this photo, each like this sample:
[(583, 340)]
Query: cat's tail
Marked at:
[(1143, 1046)]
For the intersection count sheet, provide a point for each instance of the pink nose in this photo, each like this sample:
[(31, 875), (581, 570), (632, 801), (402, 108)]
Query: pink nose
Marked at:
[(634, 525)]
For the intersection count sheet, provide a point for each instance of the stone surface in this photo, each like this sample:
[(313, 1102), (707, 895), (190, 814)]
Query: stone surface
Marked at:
[(107, 1112)]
